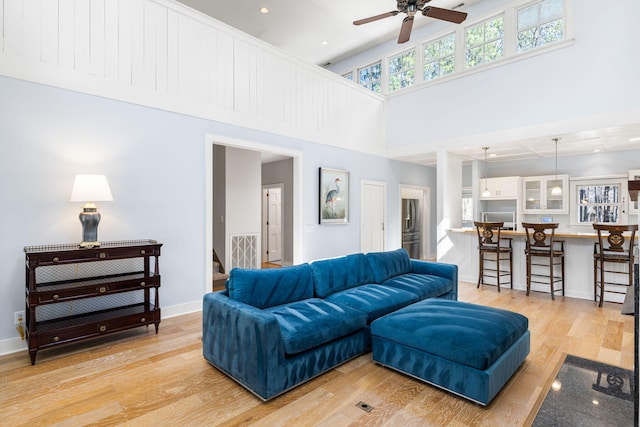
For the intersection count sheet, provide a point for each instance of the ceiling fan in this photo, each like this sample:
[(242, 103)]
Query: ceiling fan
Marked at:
[(411, 7)]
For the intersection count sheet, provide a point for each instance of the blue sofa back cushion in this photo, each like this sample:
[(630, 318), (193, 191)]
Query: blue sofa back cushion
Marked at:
[(423, 285), (314, 322), (270, 287), (337, 274), (386, 265)]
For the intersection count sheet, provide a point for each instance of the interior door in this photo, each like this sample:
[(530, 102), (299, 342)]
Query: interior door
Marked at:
[(373, 216), (274, 224)]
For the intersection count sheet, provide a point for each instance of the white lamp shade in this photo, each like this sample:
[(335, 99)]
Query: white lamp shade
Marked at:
[(91, 188)]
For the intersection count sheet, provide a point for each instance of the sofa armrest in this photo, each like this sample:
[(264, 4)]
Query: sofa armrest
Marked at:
[(448, 271), (241, 340)]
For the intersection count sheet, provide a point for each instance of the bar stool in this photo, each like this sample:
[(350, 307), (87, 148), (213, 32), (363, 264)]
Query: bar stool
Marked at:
[(612, 247), (490, 242), (541, 243)]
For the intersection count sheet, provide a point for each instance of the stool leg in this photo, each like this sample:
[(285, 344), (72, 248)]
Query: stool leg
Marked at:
[(480, 267), (528, 273), (601, 282), (498, 268), (595, 279), (562, 271), (553, 294)]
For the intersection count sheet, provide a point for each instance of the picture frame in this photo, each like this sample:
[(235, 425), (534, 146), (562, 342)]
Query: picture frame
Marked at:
[(333, 196), (634, 175)]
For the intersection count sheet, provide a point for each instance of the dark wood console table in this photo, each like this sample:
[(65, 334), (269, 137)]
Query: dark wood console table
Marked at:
[(74, 293)]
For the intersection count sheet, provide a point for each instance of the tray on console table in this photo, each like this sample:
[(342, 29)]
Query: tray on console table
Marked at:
[(74, 293)]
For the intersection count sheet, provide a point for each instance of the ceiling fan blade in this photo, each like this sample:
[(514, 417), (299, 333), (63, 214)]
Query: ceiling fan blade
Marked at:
[(375, 18), (444, 14), (405, 31)]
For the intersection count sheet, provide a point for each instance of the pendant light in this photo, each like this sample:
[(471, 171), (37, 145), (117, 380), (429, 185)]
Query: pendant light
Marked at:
[(485, 192), (556, 190)]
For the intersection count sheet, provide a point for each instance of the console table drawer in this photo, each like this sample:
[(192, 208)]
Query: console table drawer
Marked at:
[(55, 294)]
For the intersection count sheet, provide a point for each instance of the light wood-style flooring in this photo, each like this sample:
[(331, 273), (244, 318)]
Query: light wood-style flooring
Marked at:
[(139, 378)]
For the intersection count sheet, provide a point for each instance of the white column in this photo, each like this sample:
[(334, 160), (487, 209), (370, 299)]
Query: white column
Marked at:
[(449, 200)]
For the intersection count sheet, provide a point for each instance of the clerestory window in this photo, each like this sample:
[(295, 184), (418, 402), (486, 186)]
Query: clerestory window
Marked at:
[(540, 23)]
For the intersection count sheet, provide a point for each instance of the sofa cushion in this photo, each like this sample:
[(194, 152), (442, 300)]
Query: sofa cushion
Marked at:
[(337, 274), (374, 300), (271, 287), (423, 285), (385, 265), (313, 322), (468, 334)]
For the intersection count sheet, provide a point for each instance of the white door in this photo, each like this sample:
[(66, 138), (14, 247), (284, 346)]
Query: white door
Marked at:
[(273, 223), (373, 216)]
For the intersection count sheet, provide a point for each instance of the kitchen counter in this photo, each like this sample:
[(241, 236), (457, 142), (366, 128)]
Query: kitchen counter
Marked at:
[(511, 233), (460, 247)]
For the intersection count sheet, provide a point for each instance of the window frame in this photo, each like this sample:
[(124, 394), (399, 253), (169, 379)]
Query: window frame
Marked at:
[(402, 70), (518, 8), (622, 204), (380, 80), (502, 14), (454, 54)]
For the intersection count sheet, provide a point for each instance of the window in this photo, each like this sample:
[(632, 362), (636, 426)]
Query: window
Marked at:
[(467, 207), (484, 42), (600, 201), (348, 76), (370, 76), (402, 70), (439, 57), (540, 23)]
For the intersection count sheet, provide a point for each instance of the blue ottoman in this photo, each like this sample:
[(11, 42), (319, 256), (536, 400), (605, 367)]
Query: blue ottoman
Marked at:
[(468, 349)]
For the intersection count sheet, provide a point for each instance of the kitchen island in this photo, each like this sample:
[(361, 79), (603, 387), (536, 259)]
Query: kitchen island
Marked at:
[(460, 247)]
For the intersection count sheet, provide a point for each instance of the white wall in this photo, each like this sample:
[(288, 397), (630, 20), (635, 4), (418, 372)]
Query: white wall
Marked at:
[(165, 55), (243, 196)]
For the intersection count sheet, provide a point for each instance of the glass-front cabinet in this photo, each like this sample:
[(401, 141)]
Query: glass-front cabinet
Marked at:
[(541, 194)]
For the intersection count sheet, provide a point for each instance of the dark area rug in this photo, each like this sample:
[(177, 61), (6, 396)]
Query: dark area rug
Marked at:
[(588, 393)]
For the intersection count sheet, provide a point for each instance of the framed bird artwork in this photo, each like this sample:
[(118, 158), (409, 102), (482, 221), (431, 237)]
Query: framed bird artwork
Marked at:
[(334, 196)]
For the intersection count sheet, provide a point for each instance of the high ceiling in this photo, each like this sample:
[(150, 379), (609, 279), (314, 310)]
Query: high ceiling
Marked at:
[(319, 31), (301, 27)]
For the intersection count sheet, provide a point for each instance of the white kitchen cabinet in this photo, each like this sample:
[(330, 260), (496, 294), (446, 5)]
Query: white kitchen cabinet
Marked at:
[(503, 188), (537, 197)]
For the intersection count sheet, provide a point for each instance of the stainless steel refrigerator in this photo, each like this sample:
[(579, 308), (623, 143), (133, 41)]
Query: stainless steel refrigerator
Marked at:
[(411, 234)]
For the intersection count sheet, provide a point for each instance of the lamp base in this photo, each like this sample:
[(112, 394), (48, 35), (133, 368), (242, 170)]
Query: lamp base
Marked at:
[(89, 218), (89, 245)]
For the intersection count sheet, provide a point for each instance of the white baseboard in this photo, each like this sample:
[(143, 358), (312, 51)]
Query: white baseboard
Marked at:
[(14, 345)]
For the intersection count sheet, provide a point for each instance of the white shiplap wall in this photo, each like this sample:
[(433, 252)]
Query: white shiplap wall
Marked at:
[(162, 54)]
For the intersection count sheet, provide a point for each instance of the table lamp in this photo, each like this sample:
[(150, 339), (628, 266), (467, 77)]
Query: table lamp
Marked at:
[(89, 189)]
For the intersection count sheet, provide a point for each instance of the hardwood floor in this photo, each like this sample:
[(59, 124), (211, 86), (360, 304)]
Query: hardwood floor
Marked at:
[(139, 378)]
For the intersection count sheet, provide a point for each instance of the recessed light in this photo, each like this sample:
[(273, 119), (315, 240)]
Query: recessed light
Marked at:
[(264, 10), (324, 42), (636, 139), (596, 150)]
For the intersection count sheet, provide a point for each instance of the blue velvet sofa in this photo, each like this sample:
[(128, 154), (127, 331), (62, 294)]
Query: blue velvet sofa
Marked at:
[(273, 329)]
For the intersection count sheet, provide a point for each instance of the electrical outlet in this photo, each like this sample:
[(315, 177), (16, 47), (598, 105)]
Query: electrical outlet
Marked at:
[(18, 316)]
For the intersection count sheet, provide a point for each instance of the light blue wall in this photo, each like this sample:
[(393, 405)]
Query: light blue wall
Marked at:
[(589, 84), (155, 164)]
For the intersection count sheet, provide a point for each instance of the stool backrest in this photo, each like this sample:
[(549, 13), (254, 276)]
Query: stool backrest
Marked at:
[(540, 235), (616, 238), (488, 233)]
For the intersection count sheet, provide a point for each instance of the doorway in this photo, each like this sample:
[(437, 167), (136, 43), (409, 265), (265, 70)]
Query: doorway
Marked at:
[(294, 206), (272, 223)]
